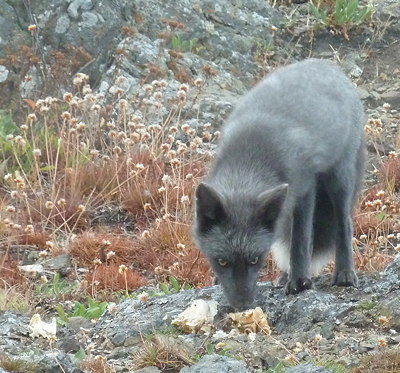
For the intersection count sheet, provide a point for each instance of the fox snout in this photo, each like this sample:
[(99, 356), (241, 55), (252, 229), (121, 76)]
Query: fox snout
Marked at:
[(240, 292)]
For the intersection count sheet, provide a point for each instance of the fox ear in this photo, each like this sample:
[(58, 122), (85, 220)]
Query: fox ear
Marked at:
[(270, 204), (209, 207)]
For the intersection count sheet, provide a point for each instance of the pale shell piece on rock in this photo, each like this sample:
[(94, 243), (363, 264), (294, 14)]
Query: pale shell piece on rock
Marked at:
[(198, 317), (250, 321), (37, 327)]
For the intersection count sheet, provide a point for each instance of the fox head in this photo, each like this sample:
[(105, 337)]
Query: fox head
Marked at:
[(235, 233)]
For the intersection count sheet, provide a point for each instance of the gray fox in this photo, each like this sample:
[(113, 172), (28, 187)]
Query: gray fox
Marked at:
[(286, 176)]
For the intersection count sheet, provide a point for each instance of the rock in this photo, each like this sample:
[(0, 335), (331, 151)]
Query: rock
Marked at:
[(357, 319), (392, 97), (60, 263), (148, 370), (390, 307), (77, 323), (216, 364), (68, 344), (3, 73), (307, 368)]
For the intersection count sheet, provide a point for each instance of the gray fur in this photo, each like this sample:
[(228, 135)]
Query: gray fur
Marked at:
[(287, 172)]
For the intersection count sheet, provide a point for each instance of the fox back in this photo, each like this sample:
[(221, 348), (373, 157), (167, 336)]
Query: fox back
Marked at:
[(289, 148)]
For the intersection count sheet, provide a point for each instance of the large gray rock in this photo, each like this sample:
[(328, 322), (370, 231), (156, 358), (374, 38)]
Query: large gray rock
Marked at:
[(115, 38), (216, 364), (307, 368)]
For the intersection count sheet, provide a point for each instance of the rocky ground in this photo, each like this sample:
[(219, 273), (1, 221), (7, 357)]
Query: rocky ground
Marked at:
[(231, 45)]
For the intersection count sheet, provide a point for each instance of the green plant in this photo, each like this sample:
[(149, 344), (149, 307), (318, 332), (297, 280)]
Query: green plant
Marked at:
[(279, 368), (79, 356), (93, 310), (332, 366), (55, 288), (173, 286), (366, 305), (339, 14), (7, 128), (181, 45)]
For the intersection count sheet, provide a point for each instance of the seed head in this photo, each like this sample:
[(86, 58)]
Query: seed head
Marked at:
[(185, 200), (198, 82), (97, 262), (185, 128), (122, 269), (143, 297), (175, 162), (117, 150), (123, 103), (165, 147), (181, 95), (112, 307), (32, 118), (29, 229), (110, 254), (10, 209), (87, 91), (166, 179), (184, 87), (381, 342), (80, 126), (37, 152), (383, 320), (50, 245)]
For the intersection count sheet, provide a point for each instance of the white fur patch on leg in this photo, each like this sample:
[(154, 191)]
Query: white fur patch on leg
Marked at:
[(320, 261), (281, 252)]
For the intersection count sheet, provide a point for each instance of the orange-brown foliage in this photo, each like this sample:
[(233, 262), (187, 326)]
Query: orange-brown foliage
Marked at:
[(89, 246), (108, 277), (389, 175), (9, 272)]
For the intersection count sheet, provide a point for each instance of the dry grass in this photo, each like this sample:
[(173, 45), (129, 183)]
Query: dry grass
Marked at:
[(15, 299), (96, 364), (75, 155), (164, 352), (376, 221), (385, 361), (10, 275)]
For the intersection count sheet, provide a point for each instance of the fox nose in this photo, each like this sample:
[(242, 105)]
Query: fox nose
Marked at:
[(243, 303)]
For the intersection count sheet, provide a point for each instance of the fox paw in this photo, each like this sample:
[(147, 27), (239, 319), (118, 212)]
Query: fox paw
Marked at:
[(281, 280), (346, 277), (294, 286)]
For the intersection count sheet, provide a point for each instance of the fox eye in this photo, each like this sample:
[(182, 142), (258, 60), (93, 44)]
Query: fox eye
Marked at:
[(254, 260), (222, 262)]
